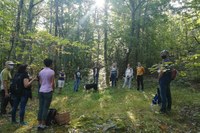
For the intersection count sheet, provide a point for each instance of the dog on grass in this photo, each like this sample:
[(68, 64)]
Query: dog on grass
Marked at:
[(90, 87)]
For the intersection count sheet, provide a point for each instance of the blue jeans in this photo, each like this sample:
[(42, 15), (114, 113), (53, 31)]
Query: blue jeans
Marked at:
[(96, 79), (22, 101), (113, 79), (44, 104), (165, 93), (76, 84)]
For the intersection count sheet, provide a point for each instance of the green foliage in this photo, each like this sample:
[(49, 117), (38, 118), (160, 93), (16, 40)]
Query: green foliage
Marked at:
[(154, 26)]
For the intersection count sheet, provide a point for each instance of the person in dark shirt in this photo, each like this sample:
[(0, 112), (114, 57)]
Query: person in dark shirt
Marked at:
[(77, 78), (22, 98), (164, 82), (96, 70), (61, 80), (113, 74)]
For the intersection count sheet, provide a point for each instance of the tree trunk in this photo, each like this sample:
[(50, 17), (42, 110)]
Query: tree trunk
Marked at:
[(138, 51), (51, 17), (131, 44), (106, 41), (56, 21), (15, 35), (29, 17)]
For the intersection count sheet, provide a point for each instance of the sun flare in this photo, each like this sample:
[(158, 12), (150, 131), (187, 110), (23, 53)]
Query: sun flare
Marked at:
[(99, 3)]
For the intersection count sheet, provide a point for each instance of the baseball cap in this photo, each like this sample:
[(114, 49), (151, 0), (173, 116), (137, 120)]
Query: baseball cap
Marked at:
[(164, 53), (9, 63)]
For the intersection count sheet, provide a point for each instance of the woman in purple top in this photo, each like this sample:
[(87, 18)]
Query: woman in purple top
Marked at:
[(46, 77)]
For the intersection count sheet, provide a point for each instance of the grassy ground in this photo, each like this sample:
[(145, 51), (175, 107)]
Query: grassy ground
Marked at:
[(117, 110)]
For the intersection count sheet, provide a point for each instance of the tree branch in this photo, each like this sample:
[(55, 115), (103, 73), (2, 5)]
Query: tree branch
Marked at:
[(195, 38), (140, 4), (38, 3)]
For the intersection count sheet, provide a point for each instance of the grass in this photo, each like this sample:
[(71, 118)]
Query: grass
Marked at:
[(117, 110)]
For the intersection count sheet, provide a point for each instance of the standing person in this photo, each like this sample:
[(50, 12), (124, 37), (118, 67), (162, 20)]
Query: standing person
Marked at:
[(113, 74), (61, 80), (46, 76), (128, 76), (5, 86), (23, 83), (77, 78), (96, 73), (140, 73), (164, 82)]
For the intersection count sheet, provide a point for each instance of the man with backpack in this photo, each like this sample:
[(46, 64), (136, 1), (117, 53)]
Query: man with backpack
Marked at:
[(5, 86), (165, 78)]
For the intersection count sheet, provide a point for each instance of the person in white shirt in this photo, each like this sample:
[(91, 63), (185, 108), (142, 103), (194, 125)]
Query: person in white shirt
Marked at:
[(128, 76)]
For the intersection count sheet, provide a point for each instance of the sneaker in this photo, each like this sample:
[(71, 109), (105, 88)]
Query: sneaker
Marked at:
[(23, 123), (42, 127), (38, 127)]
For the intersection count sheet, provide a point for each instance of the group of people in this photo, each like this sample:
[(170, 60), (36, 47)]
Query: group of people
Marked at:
[(128, 76), (22, 93), (46, 79)]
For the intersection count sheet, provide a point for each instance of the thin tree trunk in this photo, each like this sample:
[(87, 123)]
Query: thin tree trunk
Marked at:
[(56, 21), (29, 17), (106, 41), (51, 17), (138, 36), (15, 35)]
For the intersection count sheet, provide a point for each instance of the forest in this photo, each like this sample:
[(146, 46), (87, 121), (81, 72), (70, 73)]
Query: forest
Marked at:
[(81, 33)]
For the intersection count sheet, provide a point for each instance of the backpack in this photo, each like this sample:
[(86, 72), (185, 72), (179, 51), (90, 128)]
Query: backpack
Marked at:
[(51, 117), (173, 74), (15, 88), (157, 98)]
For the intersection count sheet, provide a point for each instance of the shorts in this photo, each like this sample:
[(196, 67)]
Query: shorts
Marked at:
[(61, 83)]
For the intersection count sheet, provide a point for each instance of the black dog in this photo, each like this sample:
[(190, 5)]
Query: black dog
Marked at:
[(91, 86)]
